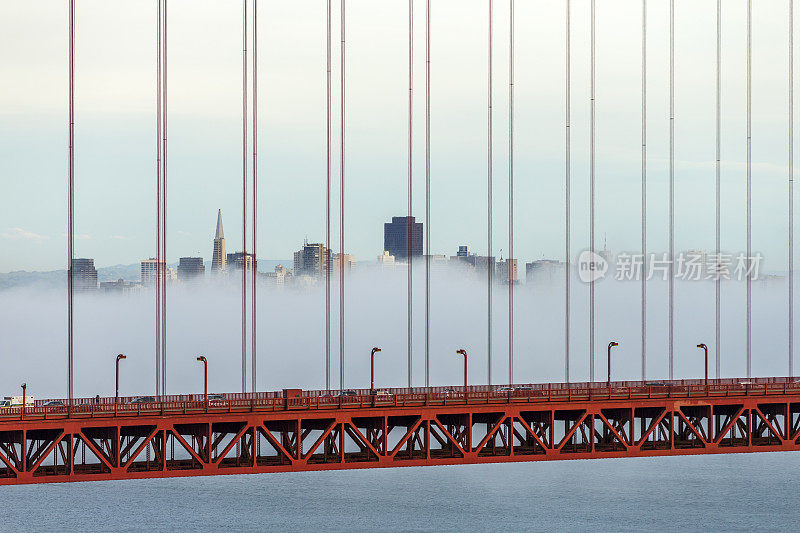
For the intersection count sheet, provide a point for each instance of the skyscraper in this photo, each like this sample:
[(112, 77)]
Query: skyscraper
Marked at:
[(502, 270), (395, 237), (236, 259), (311, 260), (148, 270), (190, 267), (219, 261), (84, 275)]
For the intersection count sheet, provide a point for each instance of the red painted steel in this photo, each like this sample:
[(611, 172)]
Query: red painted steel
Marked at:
[(278, 432)]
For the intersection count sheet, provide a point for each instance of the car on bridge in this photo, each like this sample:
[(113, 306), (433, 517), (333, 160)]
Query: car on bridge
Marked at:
[(216, 400), (143, 399)]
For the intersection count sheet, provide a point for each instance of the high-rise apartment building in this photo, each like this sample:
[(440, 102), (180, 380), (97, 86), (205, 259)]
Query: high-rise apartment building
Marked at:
[(84, 275), (345, 260), (219, 259), (311, 260), (148, 271), (190, 268), (396, 237)]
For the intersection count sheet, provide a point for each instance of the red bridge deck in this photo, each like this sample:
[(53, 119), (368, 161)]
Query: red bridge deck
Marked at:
[(270, 432)]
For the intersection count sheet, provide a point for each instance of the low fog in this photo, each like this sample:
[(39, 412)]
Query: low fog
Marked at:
[(204, 319)]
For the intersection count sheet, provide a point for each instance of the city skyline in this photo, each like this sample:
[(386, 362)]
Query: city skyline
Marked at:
[(116, 114)]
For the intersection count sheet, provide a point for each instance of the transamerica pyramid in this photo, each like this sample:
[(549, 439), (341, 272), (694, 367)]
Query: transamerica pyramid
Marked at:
[(219, 259)]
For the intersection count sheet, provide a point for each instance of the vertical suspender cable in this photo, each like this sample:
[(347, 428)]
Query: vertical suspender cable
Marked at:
[(591, 194), (327, 257), (409, 224), (644, 188), (489, 263), (159, 103), (71, 198), (567, 165), (244, 195), (164, 209), (427, 190), (671, 183), (749, 179), (791, 187), (510, 270), (718, 203), (341, 201), (255, 201)]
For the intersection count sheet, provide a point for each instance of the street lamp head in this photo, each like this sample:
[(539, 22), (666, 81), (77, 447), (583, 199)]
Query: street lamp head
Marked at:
[(24, 385), (376, 349), (702, 345), (202, 359), (120, 356), (462, 352), (613, 343)]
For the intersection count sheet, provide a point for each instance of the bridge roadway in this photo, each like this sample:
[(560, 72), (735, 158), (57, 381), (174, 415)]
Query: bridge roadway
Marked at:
[(297, 430)]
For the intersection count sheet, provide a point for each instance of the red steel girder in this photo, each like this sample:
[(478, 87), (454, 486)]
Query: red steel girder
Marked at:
[(143, 446)]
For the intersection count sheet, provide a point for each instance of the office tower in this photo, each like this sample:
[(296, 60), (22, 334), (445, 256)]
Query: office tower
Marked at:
[(544, 270), (395, 237), (218, 258), (190, 268), (503, 267), (84, 275), (463, 256), (235, 260)]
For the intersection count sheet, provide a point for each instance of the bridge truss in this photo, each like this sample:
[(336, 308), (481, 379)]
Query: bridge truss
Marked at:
[(317, 431)]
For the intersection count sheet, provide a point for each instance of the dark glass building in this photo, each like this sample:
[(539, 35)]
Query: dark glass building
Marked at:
[(236, 259), (395, 237), (190, 268), (84, 275)]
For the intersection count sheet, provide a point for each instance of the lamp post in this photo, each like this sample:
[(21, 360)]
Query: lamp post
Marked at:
[(203, 360), (464, 353), (372, 368), (705, 350), (120, 357), (610, 345), (24, 386)]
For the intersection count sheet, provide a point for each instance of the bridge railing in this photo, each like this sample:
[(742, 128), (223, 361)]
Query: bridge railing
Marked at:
[(386, 397)]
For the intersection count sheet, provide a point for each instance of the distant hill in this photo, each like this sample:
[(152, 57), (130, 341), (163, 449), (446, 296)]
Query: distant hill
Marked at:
[(55, 279)]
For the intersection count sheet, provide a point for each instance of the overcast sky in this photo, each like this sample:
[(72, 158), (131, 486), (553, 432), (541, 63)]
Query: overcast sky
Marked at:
[(115, 126)]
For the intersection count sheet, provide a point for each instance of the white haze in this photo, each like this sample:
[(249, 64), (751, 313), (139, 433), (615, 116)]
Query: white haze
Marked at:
[(206, 320)]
